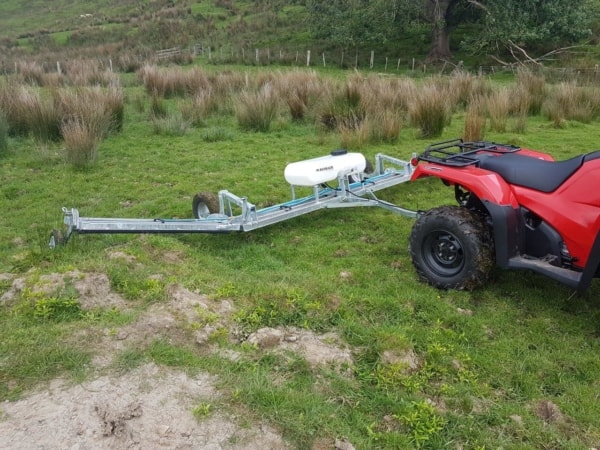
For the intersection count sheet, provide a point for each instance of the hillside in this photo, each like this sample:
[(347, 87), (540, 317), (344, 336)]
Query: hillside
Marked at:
[(134, 28), (35, 26)]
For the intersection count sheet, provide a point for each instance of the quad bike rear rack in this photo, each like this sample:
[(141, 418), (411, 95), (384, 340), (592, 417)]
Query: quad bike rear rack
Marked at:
[(353, 190)]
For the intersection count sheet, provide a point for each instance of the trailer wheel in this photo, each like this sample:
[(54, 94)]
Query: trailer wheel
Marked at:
[(57, 238), (205, 204), (451, 248)]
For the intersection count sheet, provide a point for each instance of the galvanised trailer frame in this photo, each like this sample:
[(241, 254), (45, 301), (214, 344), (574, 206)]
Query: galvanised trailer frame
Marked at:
[(353, 190)]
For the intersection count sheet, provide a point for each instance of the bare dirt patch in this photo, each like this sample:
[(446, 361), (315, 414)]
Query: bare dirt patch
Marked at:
[(149, 407)]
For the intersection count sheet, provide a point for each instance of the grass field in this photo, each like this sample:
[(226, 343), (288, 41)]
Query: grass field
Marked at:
[(511, 365)]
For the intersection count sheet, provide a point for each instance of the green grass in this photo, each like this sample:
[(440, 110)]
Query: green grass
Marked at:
[(485, 357)]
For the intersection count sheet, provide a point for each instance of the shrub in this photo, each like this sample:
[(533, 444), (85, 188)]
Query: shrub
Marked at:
[(429, 111), (256, 110)]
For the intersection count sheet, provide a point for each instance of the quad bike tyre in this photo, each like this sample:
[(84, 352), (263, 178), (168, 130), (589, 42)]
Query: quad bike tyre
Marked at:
[(451, 248), (204, 204)]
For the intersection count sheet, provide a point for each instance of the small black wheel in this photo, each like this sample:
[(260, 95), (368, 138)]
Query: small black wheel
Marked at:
[(451, 248), (205, 204), (57, 238)]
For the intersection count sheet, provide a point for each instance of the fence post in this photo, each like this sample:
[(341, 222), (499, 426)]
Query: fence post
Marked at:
[(323, 59), (342, 62), (256, 57), (58, 68), (386, 61), (307, 58), (413, 65), (398, 65), (372, 60)]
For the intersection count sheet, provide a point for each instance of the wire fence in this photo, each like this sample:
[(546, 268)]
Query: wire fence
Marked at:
[(369, 60)]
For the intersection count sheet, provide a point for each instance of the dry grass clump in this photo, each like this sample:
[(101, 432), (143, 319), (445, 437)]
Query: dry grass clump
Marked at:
[(81, 141), (101, 109), (498, 108), (29, 113), (300, 90), (462, 87), (533, 86), (341, 108), (76, 72), (89, 115), (567, 101), (81, 72), (256, 110), (430, 111), (170, 125), (172, 82), (3, 132), (30, 72), (196, 111), (475, 118)]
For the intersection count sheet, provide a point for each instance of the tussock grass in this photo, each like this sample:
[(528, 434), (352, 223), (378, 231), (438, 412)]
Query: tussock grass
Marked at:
[(81, 141), (170, 125), (256, 110), (475, 119), (533, 86), (30, 113), (498, 108), (199, 108), (3, 132), (567, 101), (172, 82), (430, 111), (300, 90)]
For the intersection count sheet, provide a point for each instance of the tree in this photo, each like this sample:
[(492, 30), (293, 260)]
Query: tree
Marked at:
[(353, 23), (512, 25), (531, 27)]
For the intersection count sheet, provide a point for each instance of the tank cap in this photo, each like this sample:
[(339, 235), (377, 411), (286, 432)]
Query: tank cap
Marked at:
[(339, 151)]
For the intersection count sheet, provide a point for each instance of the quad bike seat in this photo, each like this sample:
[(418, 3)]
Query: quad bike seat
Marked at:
[(533, 173)]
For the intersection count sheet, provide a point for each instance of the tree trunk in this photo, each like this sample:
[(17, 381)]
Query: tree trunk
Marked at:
[(437, 13)]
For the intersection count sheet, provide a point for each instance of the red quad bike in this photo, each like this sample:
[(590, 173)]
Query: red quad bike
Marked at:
[(516, 207)]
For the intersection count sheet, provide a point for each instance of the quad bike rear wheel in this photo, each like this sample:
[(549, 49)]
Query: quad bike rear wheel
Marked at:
[(204, 204), (451, 248)]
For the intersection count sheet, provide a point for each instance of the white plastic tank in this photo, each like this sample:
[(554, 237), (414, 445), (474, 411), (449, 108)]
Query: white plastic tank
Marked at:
[(325, 168)]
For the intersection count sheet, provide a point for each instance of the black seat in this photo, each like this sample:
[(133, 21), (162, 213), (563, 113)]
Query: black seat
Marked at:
[(533, 173)]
